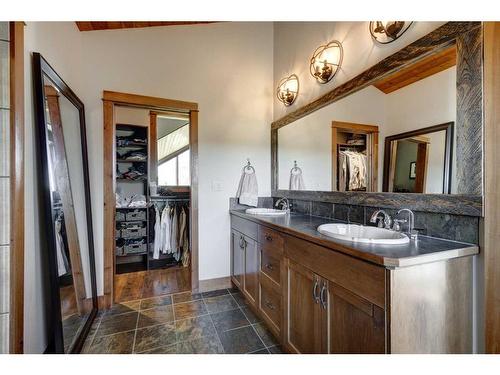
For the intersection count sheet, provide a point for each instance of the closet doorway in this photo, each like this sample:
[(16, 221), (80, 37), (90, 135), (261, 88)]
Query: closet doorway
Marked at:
[(150, 197)]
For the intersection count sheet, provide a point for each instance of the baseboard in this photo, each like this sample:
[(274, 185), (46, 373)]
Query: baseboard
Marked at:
[(214, 284)]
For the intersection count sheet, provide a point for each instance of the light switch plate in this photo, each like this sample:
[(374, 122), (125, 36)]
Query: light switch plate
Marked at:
[(216, 185)]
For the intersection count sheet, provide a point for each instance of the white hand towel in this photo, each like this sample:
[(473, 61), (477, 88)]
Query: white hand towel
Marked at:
[(297, 182), (248, 190)]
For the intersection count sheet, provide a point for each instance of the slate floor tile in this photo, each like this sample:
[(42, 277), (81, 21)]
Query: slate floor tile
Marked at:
[(186, 297), (266, 335), (122, 308), (157, 315), (203, 345), (221, 303), (119, 323), (261, 351), (214, 293), (189, 310), (194, 328), (120, 343), (276, 349), (231, 319), (240, 299), (169, 349), (240, 341), (155, 337), (155, 302), (252, 318)]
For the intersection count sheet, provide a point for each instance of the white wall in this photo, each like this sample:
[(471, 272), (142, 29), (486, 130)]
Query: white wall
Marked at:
[(227, 69), (59, 43), (294, 43), (309, 139)]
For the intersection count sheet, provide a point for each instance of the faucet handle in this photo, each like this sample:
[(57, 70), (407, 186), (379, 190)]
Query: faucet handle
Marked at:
[(397, 224)]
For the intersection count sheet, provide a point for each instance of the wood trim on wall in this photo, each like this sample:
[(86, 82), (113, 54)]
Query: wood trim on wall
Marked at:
[(492, 182), (16, 322), (110, 100)]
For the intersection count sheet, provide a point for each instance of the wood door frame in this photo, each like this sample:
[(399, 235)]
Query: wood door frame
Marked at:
[(371, 132), (16, 309), (492, 181), (110, 100)]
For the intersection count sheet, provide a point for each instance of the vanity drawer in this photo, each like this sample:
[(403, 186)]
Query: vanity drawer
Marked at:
[(247, 227), (271, 239), (270, 265), (270, 305)]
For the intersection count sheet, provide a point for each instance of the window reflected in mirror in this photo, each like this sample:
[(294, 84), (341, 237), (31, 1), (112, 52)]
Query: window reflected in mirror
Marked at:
[(172, 148)]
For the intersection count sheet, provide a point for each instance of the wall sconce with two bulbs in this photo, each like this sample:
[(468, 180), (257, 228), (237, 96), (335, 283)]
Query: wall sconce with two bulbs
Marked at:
[(385, 32), (288, 89)]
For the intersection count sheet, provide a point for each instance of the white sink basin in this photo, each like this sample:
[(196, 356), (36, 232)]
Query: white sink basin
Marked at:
[(265, 212), (363, 234)]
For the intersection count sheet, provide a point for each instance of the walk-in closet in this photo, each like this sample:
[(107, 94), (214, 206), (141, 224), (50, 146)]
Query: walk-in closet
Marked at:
[(153, 195)]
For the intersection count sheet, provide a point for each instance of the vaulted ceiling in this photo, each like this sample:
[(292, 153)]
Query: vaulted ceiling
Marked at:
[(113, 25)]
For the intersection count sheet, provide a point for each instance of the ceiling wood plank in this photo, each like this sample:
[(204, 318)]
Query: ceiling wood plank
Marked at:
[(423, 68), (114, 25)]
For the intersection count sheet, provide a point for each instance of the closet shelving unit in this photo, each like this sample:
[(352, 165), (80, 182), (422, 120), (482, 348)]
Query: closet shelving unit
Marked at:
[(126, 259)]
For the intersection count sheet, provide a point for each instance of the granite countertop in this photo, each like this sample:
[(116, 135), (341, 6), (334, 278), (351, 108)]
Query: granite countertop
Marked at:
[(425, 250)]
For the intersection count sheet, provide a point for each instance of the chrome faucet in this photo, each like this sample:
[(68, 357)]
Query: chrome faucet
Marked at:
[(412, 233), (382, 219), (284, 203)]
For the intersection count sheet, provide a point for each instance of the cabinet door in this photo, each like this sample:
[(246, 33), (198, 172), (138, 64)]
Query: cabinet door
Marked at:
[(237, 258), (352, 325), (303, 311), (251, 275)]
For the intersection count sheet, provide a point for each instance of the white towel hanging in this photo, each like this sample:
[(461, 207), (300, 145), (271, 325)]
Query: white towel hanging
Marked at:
[(248, 190)]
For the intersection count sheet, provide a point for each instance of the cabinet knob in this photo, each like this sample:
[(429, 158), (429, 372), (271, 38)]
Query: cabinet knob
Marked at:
[(270, 305), (268, 237), (269, 266)]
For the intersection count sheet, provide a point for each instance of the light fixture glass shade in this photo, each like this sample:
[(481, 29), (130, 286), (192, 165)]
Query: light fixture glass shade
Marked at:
[(326, 60), (386, 32), (288, 89)]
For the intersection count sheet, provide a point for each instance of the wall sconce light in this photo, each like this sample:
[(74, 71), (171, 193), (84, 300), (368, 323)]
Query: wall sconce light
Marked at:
[(386, 32), (326, 60), (288, 89)]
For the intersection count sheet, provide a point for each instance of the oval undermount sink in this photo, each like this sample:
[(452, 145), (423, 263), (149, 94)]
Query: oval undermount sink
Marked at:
[(265, 211), (363, 234)]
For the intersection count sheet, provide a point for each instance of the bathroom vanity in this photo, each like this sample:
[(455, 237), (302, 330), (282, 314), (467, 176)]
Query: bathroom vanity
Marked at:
[(321, 295)]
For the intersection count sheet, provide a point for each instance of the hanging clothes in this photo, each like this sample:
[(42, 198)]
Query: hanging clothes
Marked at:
[(157, 234), (174, 234), (352, 170), (62, 259), (165, 231), (185, 239)]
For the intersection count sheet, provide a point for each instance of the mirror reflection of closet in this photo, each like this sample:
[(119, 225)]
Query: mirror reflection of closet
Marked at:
[(170, 154), (354, 156)]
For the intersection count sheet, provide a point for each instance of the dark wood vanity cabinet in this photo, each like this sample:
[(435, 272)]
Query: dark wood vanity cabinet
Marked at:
[(316, 299)]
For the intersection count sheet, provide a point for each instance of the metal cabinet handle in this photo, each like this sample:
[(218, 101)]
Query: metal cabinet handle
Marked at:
[(269, 266), (315, 291), (268, 237), (270, 305), (323, 295)]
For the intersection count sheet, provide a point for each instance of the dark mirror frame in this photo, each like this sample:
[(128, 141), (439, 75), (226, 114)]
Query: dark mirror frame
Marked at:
[(448, 152), (468, 200), (41, 69)]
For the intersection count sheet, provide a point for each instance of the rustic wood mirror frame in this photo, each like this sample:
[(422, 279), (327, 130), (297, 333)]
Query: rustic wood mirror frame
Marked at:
[(468, 38)]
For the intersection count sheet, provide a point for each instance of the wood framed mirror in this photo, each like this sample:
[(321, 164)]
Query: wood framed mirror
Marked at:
[(66, 228), (419, 161)]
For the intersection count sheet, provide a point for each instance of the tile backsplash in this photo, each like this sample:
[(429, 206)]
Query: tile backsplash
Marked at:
[(452, 227)]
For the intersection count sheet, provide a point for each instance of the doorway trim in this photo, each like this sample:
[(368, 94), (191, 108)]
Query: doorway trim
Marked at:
[(110, 100)]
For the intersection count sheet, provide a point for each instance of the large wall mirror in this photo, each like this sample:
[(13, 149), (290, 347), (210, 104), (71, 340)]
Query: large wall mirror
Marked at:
[(67, 233), (409, 124)]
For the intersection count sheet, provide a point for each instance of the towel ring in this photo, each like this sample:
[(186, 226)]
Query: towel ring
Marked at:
[(248, 167), (295, 168)]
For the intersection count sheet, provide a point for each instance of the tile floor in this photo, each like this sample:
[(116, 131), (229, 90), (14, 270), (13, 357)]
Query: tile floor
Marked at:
[(183, 323)]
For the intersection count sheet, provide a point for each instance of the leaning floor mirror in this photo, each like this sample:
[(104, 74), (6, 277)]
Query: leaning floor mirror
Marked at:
[(67, 238)]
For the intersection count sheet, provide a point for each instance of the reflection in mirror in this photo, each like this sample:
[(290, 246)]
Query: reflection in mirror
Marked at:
[(337, 146), (173, 154), (419, 161), (68, 211)]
